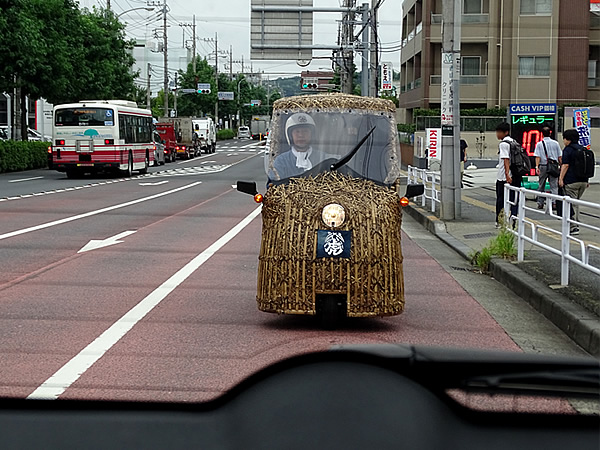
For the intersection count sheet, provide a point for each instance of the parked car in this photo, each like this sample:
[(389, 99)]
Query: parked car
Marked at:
[(32, 135), (244, 132), (160, 152)]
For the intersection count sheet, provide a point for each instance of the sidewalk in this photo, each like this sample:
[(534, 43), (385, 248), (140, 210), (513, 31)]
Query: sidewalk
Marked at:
[(575, 308)]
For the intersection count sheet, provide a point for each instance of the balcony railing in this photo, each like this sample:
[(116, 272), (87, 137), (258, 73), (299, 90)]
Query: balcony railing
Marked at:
[(411, 35), (436, 19), (464, 79), (419, 28)]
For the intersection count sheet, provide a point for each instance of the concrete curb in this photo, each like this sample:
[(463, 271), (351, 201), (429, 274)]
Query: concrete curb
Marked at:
[(579, 324)]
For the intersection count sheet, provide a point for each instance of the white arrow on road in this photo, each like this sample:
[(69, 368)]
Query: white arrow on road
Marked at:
[(153, 184), (99, 243)]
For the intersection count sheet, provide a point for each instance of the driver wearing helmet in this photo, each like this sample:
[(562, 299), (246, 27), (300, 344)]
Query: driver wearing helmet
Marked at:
[(300, 132)]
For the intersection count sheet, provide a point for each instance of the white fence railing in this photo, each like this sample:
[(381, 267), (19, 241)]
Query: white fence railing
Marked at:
[(431, 181), (524, 223)]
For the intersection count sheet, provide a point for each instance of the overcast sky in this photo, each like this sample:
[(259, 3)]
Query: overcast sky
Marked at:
[(231, 20)]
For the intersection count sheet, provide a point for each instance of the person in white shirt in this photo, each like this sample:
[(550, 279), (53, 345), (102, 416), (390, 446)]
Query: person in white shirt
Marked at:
[(546, 149), (504, 174)]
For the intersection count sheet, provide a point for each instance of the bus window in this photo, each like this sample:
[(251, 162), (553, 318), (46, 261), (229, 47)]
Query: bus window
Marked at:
[(87, 117)]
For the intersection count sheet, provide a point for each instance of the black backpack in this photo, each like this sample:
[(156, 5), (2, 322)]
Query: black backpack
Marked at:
[(520, 164), (583, 163)]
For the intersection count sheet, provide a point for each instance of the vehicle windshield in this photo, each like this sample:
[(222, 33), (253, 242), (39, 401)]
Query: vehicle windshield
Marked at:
[(83, 117), (181, 221), (310, 141)]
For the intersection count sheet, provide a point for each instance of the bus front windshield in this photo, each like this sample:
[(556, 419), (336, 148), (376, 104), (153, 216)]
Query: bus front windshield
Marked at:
[(84, 117), (306, 143)]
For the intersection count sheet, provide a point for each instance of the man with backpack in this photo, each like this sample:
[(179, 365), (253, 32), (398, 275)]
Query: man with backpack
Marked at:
[(576, 170), (513, 164), (548, 158)]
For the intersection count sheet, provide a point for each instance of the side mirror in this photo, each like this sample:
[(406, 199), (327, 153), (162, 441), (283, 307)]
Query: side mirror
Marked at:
[(414, 190), (247, 187)]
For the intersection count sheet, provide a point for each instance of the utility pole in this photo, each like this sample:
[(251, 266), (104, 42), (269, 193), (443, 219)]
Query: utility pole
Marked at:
[(347, 39), (230, 63), (148, 103), (108, 4), (175, 97), (165, 63), (374, 63), (217, 79), (450, 113), (364, 74), (193, 27)]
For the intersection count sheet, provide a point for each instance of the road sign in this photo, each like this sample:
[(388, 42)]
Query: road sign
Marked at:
[(286, 34), (255, 102), (225, 95), (188, 91)]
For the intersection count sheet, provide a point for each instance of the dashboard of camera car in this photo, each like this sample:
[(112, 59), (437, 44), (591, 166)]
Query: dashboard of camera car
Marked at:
[(329, 400)]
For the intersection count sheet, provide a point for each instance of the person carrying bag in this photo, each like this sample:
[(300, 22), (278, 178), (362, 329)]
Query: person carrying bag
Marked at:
[(548, 158)]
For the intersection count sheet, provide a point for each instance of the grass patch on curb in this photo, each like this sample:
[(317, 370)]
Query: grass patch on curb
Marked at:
[(502, 246)]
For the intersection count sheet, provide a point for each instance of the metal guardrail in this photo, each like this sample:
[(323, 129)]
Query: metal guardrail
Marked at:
[(523, 223), (432, 182)]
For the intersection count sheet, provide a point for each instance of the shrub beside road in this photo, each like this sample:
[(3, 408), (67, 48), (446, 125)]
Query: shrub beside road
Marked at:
[(19, 155)]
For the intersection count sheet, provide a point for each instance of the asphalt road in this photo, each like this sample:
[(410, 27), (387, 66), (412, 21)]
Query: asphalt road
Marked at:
[(166, 310)]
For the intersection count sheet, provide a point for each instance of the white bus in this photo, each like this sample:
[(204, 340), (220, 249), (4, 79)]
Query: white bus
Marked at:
[(96, 135)]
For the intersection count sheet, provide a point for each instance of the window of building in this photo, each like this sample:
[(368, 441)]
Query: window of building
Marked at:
[(472, 6), (535, 7), (534, 66), (471, 65)]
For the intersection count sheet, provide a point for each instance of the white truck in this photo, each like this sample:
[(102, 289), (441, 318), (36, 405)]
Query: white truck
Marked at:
[(205, 134)]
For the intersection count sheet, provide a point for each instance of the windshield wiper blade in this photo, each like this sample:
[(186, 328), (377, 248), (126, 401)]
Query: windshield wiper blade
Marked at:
[(352, 152)]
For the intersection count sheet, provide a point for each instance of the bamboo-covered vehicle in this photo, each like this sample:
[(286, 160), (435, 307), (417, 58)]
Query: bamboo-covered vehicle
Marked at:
[(331, 213)]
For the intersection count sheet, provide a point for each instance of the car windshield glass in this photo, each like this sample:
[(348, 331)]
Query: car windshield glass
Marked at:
[(302, 141), (83, 117)]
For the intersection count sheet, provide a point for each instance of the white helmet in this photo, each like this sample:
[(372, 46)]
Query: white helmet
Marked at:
[(298, 120)]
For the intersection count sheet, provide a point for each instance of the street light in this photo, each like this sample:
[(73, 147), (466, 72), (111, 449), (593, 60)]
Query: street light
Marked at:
[(147, 8)]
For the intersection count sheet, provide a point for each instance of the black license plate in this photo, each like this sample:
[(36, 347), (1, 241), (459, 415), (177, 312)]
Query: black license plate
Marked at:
[(333, 244)]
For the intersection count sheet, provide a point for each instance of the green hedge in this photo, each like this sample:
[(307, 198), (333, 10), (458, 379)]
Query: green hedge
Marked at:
[(20, 155), (226, 133)]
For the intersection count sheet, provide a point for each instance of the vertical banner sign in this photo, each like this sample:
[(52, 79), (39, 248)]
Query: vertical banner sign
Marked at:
[(447, 97), (433, 144), (582, 124), (386, 76)]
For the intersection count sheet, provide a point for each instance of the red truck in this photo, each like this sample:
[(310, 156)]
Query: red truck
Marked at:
[(167, 134)]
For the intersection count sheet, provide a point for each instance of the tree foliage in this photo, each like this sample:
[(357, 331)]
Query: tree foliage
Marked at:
[(54, 50)]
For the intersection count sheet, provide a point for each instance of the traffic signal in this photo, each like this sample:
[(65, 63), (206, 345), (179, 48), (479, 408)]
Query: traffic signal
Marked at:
[(310, 84), (203, 91)]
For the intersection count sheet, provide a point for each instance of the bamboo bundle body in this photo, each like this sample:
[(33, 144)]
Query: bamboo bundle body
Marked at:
[(289, 273)]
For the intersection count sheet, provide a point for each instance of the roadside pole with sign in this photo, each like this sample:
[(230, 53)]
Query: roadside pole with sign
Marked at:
[(450, 111)]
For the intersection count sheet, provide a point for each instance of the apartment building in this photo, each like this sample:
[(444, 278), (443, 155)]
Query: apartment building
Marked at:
[(513, 51)]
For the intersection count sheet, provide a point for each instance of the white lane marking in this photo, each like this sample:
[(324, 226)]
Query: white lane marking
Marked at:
[(95, 212), (206, 162), (153, 184), (249, 145), (99, 243), (185, 161), (25, 179), (64, 377)]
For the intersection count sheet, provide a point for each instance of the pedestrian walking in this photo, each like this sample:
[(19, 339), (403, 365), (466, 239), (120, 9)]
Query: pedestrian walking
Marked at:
[(463, 158), (570, 179), (504, 174), (547, 160)]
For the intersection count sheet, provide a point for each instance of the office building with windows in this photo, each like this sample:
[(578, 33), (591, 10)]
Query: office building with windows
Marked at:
[(513, 51)]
